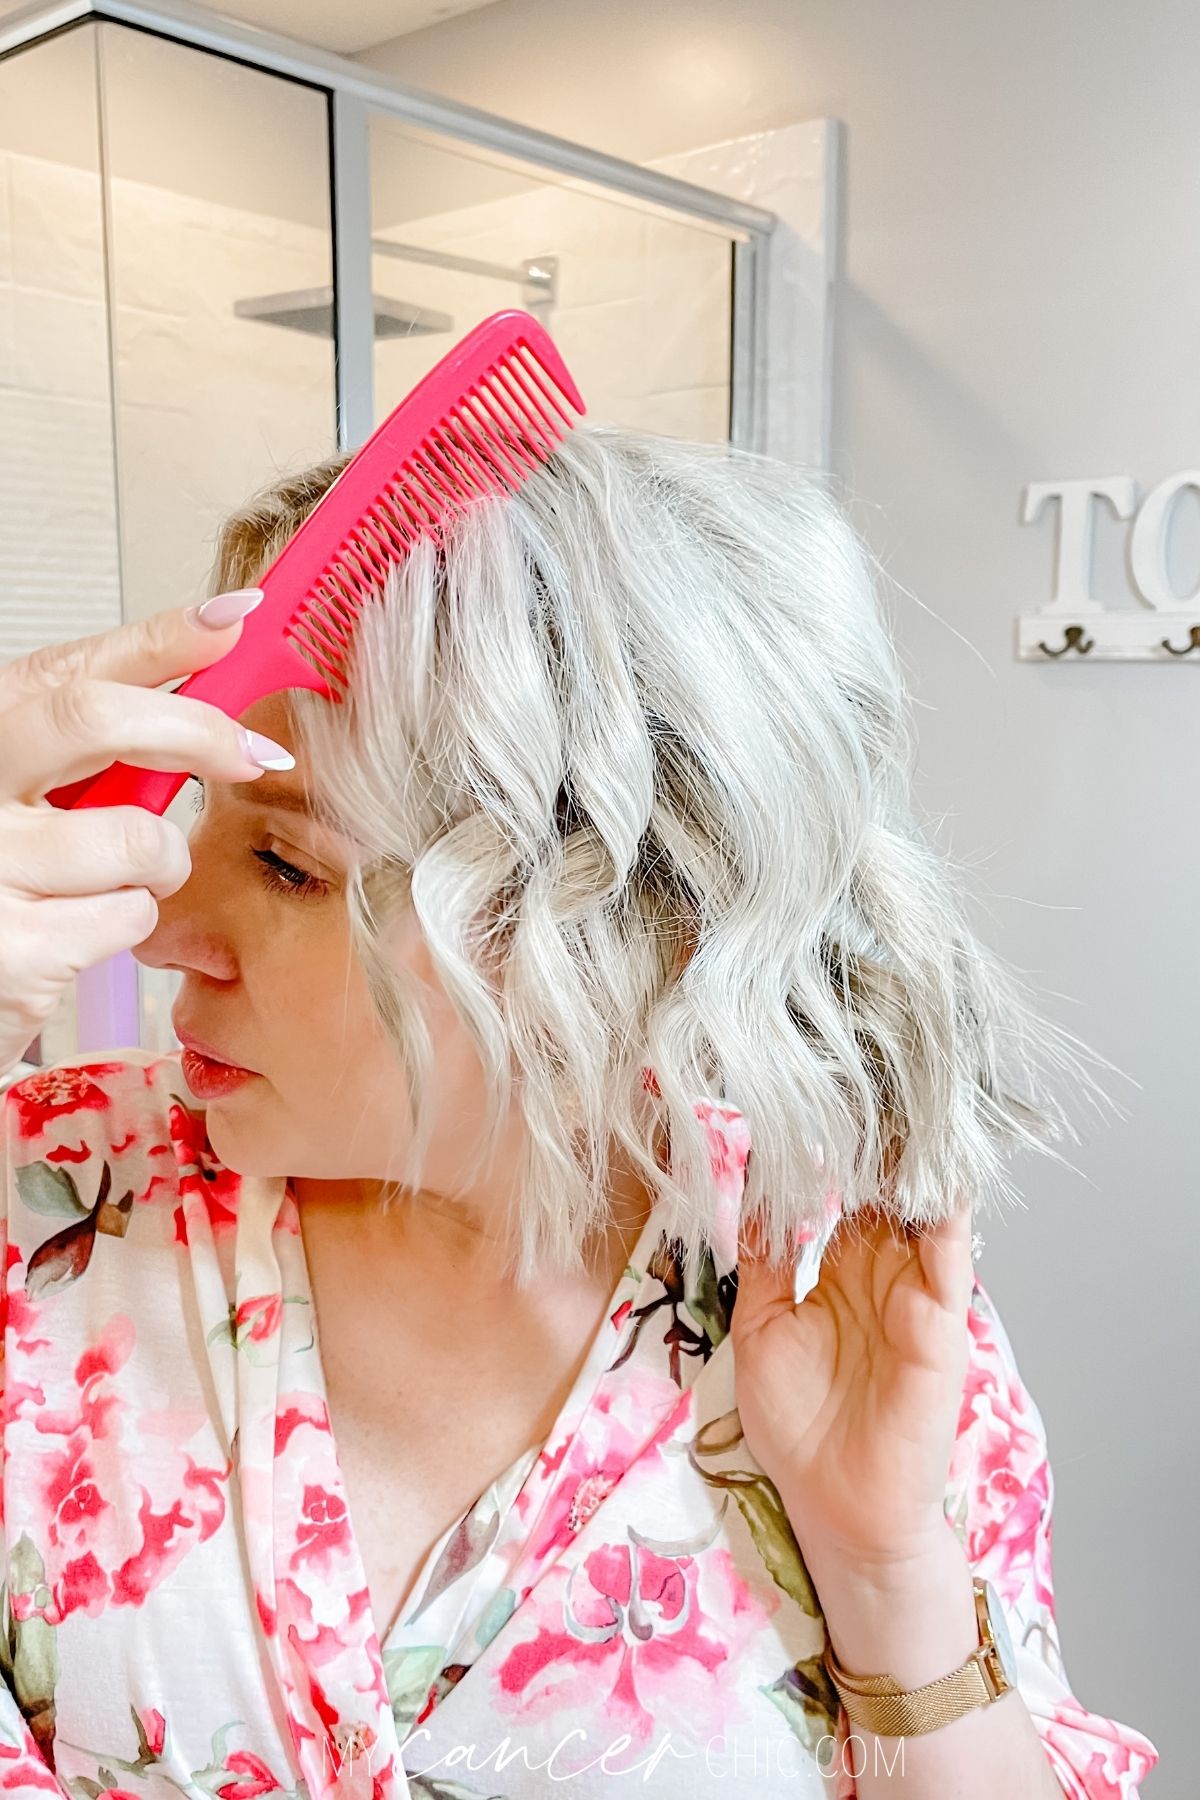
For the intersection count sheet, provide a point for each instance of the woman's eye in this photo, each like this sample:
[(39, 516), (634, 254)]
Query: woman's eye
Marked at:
[(285, 878), (280, 876)]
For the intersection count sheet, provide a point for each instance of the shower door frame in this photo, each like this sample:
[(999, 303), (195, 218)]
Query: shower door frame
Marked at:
[(353, 93)]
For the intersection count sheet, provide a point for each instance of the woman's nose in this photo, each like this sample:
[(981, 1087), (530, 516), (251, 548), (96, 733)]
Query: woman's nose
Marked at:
[(190, 933)]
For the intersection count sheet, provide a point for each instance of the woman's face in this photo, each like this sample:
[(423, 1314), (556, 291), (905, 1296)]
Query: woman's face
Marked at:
[(270, 980)]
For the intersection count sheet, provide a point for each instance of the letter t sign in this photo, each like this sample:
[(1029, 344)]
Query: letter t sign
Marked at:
[(1073, 563)]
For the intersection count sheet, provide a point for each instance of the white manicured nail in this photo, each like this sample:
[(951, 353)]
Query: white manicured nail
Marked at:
[(265, 751), (224, 609)]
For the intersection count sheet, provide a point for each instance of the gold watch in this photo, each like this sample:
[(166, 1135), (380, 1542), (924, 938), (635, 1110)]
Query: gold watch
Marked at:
[(878, 1704)]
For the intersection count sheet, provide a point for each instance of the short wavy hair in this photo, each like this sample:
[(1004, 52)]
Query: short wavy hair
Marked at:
[(634, 744)]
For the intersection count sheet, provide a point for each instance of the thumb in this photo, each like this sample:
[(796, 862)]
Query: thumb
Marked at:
[(766, 1284), (770, 1283)]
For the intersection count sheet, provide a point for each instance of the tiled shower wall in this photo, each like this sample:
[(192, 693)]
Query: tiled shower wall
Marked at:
[(58, 540), (641, 313), (209, 406)]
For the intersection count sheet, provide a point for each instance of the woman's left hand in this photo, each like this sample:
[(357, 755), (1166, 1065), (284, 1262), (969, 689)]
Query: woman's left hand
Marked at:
[(849, 1401)]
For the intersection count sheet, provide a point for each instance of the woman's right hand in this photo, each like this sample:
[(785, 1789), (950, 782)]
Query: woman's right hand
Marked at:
[(78, 886)]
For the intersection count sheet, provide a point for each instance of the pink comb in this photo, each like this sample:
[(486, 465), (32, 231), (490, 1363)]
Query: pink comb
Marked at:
[(490, 412)]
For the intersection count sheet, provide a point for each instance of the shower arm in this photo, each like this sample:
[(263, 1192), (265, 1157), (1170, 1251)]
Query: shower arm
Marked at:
[(538, 272)]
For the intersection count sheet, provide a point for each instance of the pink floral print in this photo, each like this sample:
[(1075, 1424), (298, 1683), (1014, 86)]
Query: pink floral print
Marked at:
[(183, 1606), (648, 1639)]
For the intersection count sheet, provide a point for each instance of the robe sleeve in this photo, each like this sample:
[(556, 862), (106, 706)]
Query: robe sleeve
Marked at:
[(1000, 1502)]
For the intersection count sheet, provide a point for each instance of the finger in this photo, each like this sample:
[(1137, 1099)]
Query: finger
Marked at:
[(764, 1284), (48, 853), (944, 1250), (145, 652), (64, 734), (87, 929)]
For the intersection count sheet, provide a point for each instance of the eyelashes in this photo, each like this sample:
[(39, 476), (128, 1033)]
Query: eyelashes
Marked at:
[(279, 876), (285, 878)]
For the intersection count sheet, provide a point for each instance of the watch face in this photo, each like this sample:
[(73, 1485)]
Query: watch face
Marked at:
[(1000, 1631)]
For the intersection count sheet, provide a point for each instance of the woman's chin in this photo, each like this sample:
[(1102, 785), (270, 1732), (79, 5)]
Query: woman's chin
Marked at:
[(237, 1137)]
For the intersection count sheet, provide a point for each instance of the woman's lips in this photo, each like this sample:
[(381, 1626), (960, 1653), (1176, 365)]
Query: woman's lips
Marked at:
[(207, 1074), (209, 1079)]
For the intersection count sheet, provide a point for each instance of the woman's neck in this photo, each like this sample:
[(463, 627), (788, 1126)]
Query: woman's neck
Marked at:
[(376, 1218)]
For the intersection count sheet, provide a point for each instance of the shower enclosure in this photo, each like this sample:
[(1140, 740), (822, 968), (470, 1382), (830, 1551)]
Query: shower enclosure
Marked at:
[(224, 254)]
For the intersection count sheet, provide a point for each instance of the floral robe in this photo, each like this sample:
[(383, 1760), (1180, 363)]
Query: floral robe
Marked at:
[(184, 1608)]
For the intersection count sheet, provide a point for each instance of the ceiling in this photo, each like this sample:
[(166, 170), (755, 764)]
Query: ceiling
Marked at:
[(346, 26)]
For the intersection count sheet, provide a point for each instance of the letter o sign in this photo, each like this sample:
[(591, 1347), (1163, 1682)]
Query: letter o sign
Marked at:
[(1148, 542)]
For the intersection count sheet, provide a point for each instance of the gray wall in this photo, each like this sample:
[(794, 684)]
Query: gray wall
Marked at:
[(1019, 303)]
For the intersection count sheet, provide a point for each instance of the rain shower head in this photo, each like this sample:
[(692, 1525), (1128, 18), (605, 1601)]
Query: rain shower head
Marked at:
[(311, 310)]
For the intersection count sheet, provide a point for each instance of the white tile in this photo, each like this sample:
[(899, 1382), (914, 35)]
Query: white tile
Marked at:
[(687, 308), (156, 357), (153, 266), (58, 544), (60, 345), (601, 248), (166, 520), (58, 228), (700, 414), (604, 348), (250, 368), (6, 235), (8, 335)]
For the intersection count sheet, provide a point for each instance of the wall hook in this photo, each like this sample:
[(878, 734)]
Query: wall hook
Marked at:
[(1193, 643), (1073, 640)]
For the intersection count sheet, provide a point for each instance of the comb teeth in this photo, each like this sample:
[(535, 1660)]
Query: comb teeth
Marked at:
[(483, 444)]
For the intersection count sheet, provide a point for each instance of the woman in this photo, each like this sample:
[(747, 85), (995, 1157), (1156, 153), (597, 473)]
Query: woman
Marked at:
[(574, 1021)]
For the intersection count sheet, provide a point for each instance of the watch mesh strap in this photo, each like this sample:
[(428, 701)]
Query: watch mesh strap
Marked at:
[(879, 1704)]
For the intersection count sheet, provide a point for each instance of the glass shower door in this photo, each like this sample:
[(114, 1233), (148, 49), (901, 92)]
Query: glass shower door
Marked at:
[(638, 300), (218, 200), (157, 199)]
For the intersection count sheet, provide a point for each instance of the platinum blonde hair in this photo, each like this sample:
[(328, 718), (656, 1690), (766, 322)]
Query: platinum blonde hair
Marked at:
[(633, 744)]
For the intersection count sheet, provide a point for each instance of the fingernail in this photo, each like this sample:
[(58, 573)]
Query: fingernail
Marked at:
[(265, 751), (224, 609)]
